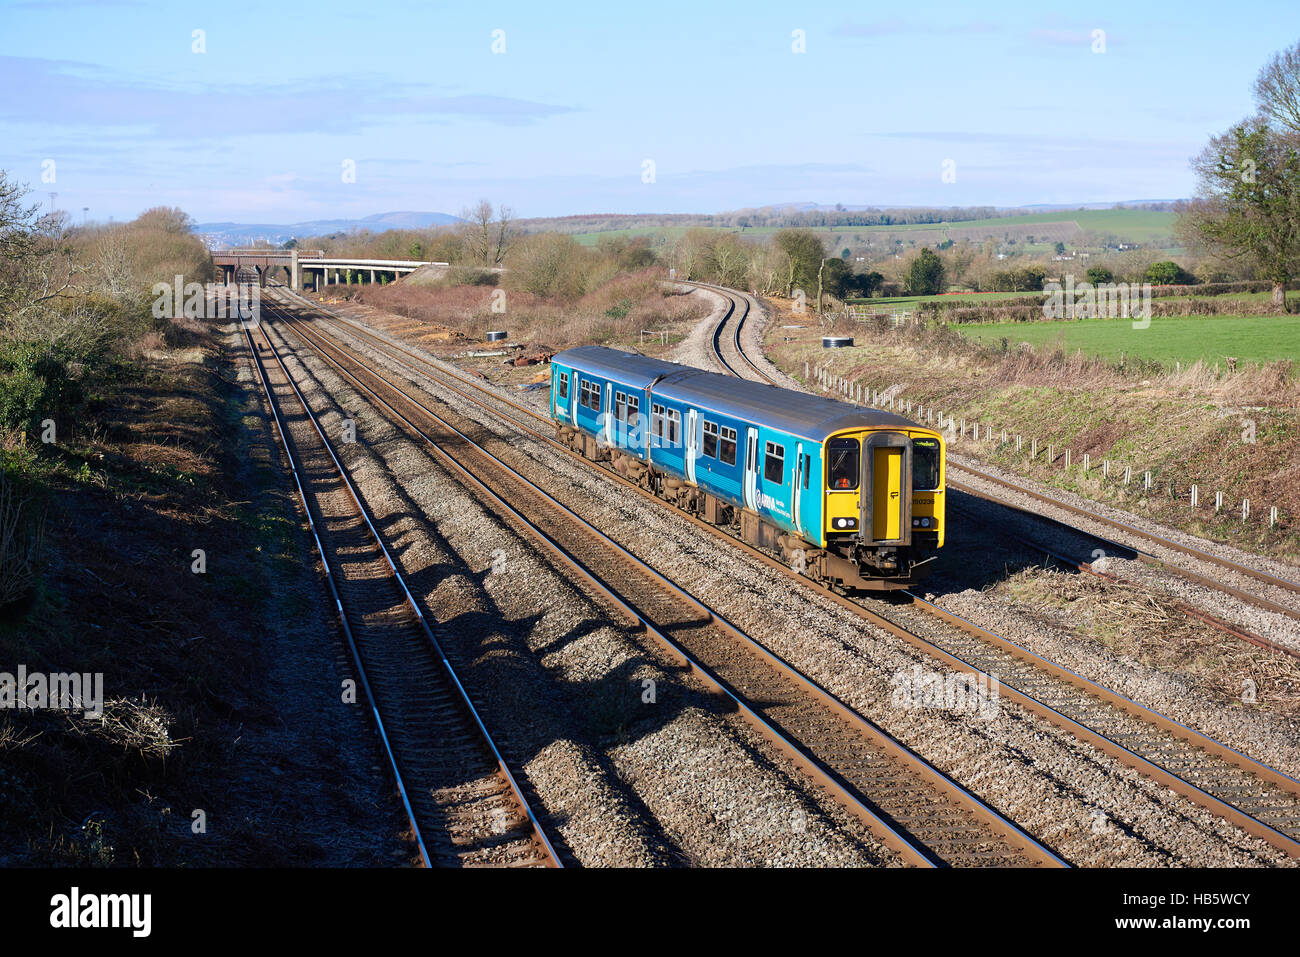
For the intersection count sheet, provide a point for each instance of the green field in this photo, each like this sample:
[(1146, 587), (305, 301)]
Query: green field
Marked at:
[(1184, 339)]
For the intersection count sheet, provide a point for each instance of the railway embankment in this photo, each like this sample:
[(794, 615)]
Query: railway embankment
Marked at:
[(170, 575)]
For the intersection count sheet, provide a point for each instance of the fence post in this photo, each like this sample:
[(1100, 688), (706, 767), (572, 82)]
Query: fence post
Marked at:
[(1051, 457), (1218, 502), (1195, 496), (1067, 459), (1272, 516), (1033, 447), (1085, 463), (1146, 481), (1245, 509), (1128, 474)]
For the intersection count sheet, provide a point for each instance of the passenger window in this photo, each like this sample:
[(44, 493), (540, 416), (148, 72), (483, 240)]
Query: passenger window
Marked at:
[(710, 439), (727, 446), (774, 463), (620, 406), (674, 428), (562, 386), (807, 467), (845, 464), (657, 420), (925, 465)]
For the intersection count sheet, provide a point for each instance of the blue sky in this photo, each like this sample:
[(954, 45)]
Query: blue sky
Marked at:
[(257, 128)]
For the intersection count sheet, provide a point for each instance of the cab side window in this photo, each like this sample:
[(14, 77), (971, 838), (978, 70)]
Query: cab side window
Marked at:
[(845, 464)]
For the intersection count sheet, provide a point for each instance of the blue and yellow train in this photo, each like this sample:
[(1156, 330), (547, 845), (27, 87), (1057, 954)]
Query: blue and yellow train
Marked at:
[(848, 495)]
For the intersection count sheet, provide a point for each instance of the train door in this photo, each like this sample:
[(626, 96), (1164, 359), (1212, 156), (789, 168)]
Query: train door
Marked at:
[(609, 413), (692, 445), (573, 397), (751, 468), (798, 478), (887, 479)]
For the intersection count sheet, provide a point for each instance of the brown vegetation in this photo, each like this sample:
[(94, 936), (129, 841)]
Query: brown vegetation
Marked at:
[(583, 299)]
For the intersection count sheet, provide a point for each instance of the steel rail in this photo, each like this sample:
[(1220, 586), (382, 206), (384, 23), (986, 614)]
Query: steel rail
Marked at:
[(338, 607), (538, 834)]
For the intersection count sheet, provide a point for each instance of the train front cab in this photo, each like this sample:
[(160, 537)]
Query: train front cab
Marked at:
[(884, 509)]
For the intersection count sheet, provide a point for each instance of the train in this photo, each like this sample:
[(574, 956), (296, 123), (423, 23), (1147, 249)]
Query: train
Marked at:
[(849, 496)]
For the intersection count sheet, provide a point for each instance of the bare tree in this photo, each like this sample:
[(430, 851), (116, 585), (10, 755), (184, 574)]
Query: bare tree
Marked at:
[(505, 235), (112, 268), (1277, 89), (487, 235)]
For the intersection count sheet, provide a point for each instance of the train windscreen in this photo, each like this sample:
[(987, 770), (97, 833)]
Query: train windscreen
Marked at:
[(925, 465)]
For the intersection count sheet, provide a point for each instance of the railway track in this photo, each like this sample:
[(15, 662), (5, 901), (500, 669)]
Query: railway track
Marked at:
[(728, 352), (919, 814), (462, 802), (1260, 800)]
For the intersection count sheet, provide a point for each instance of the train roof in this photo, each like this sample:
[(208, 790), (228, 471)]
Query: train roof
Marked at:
[(799, 413), (631, 368)]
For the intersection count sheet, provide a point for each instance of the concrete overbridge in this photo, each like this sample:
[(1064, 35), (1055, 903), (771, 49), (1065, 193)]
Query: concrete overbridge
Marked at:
[(300, 264)]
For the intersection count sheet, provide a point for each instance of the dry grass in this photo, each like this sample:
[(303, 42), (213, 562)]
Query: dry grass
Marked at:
[(1151, 630)]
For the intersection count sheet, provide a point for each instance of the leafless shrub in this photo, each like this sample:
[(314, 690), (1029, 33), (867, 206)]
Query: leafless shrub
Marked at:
[(135, 725)]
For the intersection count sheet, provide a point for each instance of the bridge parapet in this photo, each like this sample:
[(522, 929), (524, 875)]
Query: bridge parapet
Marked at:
[(295, 261)]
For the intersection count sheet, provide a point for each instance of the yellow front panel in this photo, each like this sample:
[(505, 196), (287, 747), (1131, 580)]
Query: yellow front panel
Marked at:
[(887, 494)]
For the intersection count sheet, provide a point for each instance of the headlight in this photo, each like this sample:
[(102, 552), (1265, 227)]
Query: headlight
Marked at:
[(921, 523), (845, 523)]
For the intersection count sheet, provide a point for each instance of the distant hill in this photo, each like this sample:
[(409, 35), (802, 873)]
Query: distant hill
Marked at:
[(234, 234), (1013, 210)]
